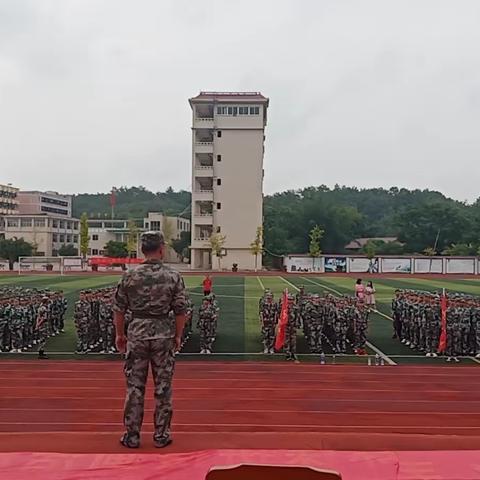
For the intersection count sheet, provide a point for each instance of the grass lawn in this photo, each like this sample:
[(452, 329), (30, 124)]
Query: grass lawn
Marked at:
[(238, 326)]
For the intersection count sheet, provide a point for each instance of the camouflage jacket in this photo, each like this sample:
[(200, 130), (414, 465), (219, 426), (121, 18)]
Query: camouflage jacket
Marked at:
[(151, 292)]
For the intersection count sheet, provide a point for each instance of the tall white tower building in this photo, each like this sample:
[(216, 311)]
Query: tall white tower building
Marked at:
[(228, 133)]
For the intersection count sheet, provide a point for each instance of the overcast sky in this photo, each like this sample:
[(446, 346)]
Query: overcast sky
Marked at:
[(93, 93)]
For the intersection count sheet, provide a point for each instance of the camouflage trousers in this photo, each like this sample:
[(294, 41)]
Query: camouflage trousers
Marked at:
[(361, 336), (4, 335), (268, 335), (140, 355), (208, 334), (315, 338), (17, 336), (290, 339), (42, 335)]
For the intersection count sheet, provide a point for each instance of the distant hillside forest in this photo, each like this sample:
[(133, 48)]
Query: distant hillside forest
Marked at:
[(420, 219)]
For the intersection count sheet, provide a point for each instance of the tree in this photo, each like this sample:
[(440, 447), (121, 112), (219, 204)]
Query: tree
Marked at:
[(217, 241), (14, 248), (116, 249), (460, 250), (167, 231), (316, 234), (132, 239), (84, 238), (256, 247), (67, 250), (180, 245)]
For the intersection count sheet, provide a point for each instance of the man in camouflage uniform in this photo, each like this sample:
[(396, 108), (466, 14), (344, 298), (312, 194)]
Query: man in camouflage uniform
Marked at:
[(268, 320), (207, 324), (81, 320), (291, 330), (314, 315), (150, 292), (41, 327)]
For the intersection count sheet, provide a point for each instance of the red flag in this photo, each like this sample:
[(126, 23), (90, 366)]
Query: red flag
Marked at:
[(442, 344), (282, 324)]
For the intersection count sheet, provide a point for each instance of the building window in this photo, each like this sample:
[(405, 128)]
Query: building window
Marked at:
[(94, 237), (55, 224), (219, 181), (155, 226), (146, 225), (219, 158), (75, 225), (94, 251), (69, 238), (101, 252), (39, 222), (89, 251), (53, 210), (75, 239), (55, 238), (12, 223), (62, 238), (219, 134), (254, 110), (219, 206), (243, 110), (62, 224), (25, 222), (69, 225), (219, 229)]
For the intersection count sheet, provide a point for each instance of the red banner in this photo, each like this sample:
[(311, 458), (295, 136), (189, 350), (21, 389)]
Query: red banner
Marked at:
[(107, 261), (442, 344), (282, 324)]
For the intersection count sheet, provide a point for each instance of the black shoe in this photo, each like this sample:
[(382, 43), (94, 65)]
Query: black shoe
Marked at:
[(42, 355), (128, 442), (162, 443)]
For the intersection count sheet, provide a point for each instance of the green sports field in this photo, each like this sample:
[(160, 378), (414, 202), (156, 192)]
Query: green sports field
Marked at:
[(238, 327)]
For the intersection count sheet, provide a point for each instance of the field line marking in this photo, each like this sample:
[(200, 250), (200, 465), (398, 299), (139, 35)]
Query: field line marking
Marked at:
[(369, 344), (289, 283), (261, 283)]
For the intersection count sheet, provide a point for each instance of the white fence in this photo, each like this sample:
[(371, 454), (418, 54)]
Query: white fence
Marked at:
[(382, 264)]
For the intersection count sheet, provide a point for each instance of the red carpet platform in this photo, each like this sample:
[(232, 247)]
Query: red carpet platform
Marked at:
[(431, 465)]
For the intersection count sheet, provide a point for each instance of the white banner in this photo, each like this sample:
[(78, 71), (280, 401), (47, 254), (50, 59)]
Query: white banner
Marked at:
[(428, 265), (396, 265), (303, 264), (460, 265), (363, 265)]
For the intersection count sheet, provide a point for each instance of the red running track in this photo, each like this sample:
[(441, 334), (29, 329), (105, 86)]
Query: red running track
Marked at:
[(68, 406)]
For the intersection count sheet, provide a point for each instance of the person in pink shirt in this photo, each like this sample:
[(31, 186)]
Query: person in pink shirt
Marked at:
[(360, 290), (370, 295)]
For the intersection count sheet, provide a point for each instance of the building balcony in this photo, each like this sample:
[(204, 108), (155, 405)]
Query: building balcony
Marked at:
[(200, 242), (203, 122), (204, 170), (203, 218), (203, 195), (204, 147)]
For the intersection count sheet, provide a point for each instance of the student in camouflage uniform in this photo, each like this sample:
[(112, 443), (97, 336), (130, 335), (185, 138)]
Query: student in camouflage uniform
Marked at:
[(293, 324), (314, 314), (41, 327), (81, 320), (207, 324), (360, 316), (268, 321), (150, 292)]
